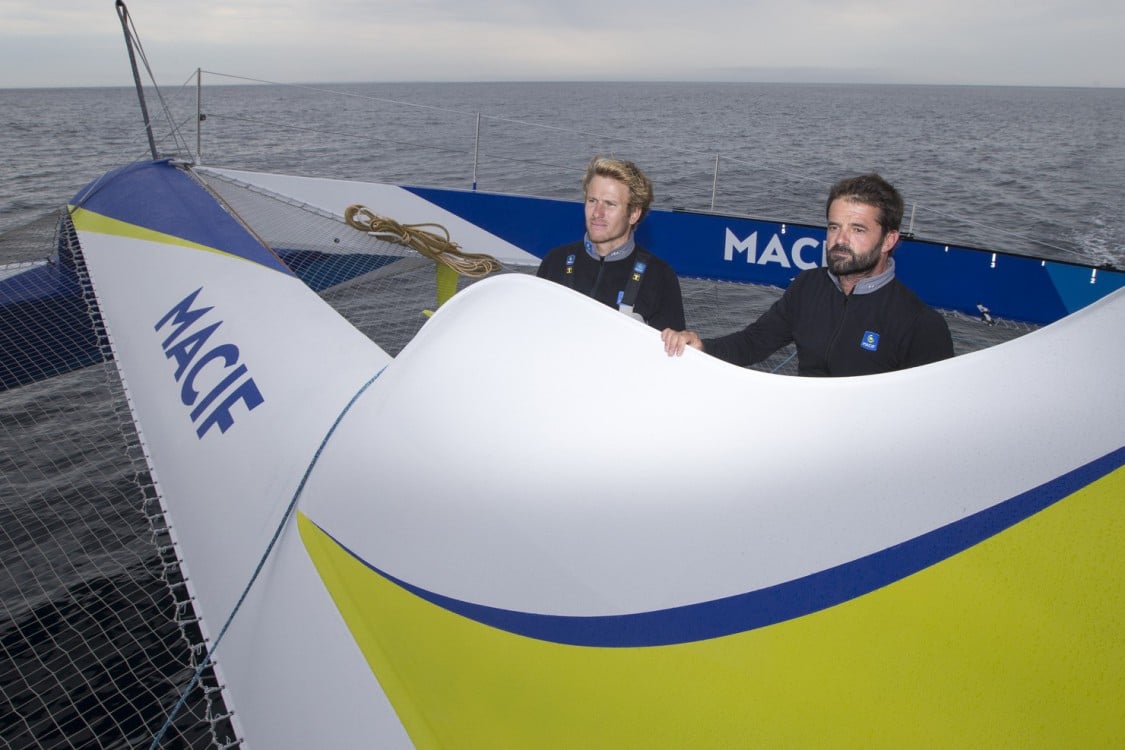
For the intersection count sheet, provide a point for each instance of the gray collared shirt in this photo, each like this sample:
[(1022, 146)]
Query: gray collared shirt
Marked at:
[(871, 283), (618, 253)]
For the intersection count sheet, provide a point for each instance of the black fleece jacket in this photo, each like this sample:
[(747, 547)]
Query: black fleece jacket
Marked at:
[(837, 334), (659, 300)]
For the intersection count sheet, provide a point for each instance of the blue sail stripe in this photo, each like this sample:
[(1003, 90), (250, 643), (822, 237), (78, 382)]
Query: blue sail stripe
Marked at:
[(781, 602)]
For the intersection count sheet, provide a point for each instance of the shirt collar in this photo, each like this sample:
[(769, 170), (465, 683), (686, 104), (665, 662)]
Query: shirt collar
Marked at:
[(871, 283), (618, 253)]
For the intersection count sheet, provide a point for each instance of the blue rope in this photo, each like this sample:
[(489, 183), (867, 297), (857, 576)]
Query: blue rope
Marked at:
[(261, 564)]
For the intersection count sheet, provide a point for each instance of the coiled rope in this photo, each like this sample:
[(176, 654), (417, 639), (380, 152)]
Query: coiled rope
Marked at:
[(433, 246)]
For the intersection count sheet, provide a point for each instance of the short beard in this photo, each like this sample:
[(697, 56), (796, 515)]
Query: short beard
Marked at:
[(852, 265)]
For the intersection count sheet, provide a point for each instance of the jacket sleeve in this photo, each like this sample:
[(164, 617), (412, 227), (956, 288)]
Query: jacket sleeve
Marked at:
[(670, 309), (547, 266), (930, 341), (757, 341)]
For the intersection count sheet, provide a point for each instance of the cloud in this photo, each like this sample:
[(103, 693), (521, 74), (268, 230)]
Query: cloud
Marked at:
[(1039, 42)]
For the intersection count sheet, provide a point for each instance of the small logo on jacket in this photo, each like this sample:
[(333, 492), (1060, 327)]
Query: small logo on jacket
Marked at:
[(870, 341)]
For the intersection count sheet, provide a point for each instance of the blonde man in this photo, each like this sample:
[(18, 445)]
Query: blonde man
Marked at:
[(607, 264)]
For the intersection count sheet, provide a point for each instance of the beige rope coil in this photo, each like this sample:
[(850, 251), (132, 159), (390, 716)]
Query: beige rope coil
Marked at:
[(436, 248)]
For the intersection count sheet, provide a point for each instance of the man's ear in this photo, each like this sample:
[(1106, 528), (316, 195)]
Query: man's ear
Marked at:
[(890, 239)]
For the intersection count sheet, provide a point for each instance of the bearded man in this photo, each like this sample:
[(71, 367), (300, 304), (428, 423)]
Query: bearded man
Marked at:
[(852, 317)]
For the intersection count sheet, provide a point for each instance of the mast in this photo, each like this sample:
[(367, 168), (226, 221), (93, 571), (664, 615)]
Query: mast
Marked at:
[(123, 14)]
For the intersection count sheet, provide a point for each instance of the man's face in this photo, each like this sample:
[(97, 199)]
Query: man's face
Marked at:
[(608, 217), (857, 245)]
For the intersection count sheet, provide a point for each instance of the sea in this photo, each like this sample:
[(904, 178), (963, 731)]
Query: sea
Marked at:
[(1038, 171), (90, 655)]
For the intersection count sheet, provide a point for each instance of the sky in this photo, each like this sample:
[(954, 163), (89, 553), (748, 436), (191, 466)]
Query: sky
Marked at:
[(54, 43)]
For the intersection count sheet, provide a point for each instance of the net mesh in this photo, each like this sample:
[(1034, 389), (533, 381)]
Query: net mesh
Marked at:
[(97, 636)]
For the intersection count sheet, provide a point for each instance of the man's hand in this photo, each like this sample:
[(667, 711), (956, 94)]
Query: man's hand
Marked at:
[(675, 341)]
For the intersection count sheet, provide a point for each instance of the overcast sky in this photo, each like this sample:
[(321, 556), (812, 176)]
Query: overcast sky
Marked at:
[(1020, 42)]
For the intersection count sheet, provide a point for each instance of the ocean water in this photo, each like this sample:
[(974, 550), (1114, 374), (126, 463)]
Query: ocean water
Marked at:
[(89, 653), (1039, 171)]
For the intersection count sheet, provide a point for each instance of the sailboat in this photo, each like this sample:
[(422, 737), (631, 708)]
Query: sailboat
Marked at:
[(458, 544), (402, 561)]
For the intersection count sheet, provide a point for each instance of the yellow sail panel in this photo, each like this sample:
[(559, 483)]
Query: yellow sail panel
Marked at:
[(1014, 642)]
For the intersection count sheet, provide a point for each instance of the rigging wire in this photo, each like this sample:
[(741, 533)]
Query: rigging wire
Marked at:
[(602, 137), (207, 658), (133, 43)]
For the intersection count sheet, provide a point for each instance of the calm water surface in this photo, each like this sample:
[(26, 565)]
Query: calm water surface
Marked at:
[(1038, 171)]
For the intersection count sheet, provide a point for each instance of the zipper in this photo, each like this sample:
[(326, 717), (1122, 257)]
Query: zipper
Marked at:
[(598, 278), (835, 337)]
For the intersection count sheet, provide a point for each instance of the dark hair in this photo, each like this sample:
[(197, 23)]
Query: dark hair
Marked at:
[(872, 190), (639, 185)]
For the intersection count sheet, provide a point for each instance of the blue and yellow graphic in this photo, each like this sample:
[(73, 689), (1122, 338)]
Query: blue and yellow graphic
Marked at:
[(1001, 630)]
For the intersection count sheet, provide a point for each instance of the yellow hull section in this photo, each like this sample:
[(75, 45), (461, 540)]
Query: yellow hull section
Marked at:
[(1014, 642)]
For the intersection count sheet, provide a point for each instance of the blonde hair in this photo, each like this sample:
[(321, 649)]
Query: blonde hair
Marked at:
[(626, 172)]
